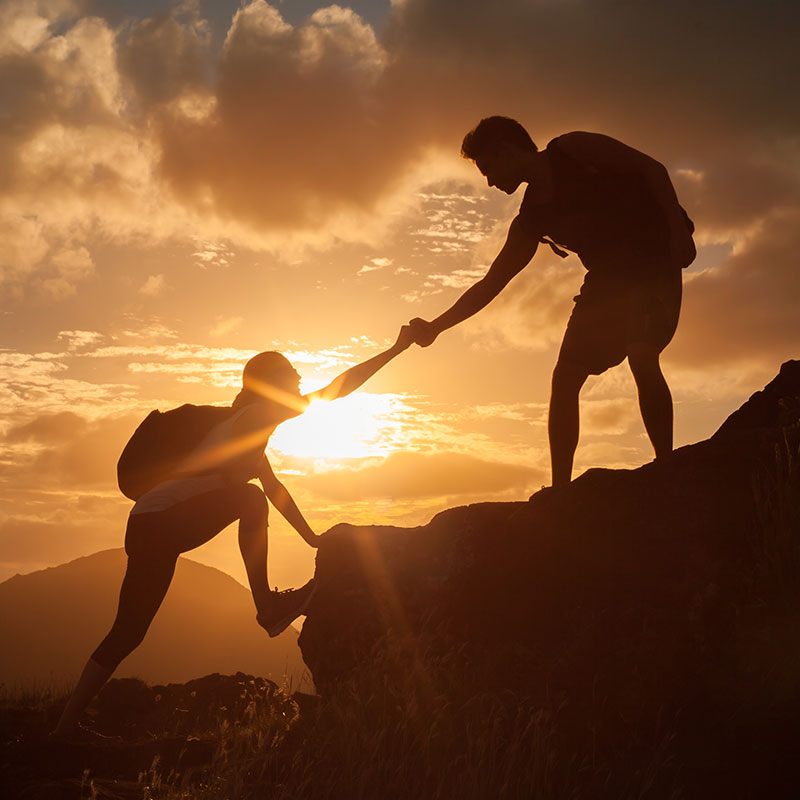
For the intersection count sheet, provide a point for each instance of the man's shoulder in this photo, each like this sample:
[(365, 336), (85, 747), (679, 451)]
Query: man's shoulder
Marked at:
[(530, 219), (529, 205), (581, 141), (599, 152)]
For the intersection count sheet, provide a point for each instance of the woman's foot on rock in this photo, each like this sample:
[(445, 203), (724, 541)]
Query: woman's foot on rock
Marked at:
[(285, 607)]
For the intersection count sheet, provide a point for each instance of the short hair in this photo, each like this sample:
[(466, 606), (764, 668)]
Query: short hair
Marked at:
[(492, 131), (270, 367)]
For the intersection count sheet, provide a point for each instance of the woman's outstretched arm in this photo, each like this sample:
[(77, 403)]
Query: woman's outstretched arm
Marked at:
[(356, 376)]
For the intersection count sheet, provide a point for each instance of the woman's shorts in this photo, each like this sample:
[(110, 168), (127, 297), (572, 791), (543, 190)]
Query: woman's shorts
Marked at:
[(192, 522)]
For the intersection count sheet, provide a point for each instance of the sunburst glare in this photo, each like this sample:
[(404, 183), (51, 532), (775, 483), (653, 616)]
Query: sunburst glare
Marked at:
[(361, 425)]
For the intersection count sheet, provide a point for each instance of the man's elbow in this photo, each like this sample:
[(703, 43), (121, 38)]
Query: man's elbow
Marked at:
[(493, 283)]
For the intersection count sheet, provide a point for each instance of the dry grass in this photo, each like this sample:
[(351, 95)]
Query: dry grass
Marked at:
[(420, 737)]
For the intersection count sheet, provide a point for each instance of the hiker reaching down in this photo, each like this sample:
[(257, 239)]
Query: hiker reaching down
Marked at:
[(188, 470), (616, 208)]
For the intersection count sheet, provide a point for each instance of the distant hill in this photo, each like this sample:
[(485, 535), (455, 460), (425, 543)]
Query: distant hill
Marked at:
[(51, 621)]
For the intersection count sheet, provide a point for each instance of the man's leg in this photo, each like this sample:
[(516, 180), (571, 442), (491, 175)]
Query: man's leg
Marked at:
[(655, 400), (564, 419)]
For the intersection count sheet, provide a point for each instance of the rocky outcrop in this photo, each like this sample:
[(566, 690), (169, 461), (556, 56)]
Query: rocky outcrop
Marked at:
[(660, 598)]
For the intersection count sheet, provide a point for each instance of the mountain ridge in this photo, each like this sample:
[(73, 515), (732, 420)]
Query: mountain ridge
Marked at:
[(56, 616)]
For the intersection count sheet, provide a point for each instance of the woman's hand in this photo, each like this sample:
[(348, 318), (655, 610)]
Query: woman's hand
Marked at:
[(423, 332), (404, 339), (312, 539)]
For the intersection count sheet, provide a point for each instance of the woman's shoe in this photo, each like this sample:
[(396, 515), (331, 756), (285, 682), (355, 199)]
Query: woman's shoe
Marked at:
[(285, 608)]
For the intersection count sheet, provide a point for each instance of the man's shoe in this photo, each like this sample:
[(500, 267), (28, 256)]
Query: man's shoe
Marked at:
[(285, 607)]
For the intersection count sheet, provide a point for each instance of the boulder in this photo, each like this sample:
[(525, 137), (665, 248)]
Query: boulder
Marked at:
[(663, 598)]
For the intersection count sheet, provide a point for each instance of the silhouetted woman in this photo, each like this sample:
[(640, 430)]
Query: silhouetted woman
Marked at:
[(207, 493)]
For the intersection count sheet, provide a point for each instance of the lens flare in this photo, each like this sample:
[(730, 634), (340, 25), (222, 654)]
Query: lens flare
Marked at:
[(361, 425)]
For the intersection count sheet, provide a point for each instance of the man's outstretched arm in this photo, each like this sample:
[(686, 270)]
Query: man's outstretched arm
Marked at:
[(353, 378), (517, 252)]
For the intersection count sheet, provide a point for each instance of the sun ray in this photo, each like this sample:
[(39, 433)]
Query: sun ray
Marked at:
[(361, 425)]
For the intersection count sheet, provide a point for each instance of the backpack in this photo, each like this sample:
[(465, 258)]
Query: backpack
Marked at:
[(586, 176), (160, 444)]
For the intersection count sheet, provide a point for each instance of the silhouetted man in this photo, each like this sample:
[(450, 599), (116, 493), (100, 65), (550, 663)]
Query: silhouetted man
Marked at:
[(616, 208)]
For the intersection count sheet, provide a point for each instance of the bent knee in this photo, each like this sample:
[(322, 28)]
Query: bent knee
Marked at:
[(644, 358), (569, 374), (120, 642)]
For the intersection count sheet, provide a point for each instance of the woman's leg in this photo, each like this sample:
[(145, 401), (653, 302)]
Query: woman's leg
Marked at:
[(275, 610), (153, 542), (92, 680), (253, 529), (200, 519), (146, 581)]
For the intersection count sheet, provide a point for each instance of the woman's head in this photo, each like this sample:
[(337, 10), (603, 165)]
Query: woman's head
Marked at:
[(270, 368), (270, 378)]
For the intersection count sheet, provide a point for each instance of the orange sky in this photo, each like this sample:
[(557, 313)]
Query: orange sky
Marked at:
[(185, 184)]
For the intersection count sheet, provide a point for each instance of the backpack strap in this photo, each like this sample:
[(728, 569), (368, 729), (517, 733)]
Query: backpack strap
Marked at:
[(554, 247)]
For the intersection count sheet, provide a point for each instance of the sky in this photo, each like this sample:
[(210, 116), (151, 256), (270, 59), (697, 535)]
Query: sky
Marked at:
[(184, 184)]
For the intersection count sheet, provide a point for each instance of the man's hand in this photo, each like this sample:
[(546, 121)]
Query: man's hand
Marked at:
[(424, 332), (404, 339)]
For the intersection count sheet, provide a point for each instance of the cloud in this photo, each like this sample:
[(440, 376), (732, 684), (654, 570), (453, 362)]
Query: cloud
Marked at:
[(153, 286), (290, 126), (306, 132), (69, 451), (226, 325), (606, 417), (164, 56), (745, 310), (78, 339), (48, 429), (457, 279), (70, 164), (532, 312), (27, 545), (375, 264), (70, 528), (299, 131), (405, 475), (212, 254)]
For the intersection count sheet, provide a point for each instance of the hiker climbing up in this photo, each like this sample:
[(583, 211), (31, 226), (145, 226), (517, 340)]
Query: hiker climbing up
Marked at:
[(188, 471)]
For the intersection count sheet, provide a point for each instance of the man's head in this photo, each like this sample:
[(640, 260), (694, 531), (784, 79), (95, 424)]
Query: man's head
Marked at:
[(501, 149), (272, 377)]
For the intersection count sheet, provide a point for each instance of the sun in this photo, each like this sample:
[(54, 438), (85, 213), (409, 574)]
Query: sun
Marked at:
[(361, 425)]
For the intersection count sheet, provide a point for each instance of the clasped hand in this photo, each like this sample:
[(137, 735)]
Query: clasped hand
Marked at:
[(422, 331)]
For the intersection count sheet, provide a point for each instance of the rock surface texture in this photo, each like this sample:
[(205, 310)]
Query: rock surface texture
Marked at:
[(658, 605)]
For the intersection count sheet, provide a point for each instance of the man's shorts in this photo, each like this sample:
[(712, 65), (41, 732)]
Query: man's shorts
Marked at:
[(611, 315)]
